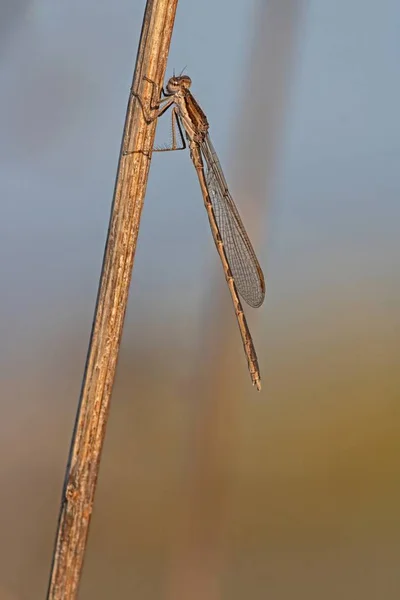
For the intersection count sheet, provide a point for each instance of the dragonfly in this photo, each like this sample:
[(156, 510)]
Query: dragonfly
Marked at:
[(242, 270)]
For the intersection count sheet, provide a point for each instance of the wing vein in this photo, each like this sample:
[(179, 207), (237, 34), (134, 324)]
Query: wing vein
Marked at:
[(241, 257)]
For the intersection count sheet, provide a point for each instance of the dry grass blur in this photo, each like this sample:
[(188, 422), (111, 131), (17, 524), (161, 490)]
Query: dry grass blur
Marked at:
[(305, 497)]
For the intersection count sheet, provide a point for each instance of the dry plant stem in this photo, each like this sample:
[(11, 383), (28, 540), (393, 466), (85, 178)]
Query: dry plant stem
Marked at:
[(84, 458)]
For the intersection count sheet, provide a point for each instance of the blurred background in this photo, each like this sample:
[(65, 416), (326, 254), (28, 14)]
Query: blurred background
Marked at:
[(208, 490)]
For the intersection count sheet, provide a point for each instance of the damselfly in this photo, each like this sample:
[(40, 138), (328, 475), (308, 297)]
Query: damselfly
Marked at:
[(242, 271)]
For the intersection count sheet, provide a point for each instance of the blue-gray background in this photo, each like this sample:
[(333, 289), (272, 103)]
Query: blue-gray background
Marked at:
[(208, 490)]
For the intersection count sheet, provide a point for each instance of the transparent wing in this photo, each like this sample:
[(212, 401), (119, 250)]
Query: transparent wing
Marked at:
[(242, 260)]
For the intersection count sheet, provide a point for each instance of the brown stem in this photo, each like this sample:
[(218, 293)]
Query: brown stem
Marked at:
[(90, 426)]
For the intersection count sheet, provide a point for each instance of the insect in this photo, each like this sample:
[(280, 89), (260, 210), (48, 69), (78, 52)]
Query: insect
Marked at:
[(243, 273)]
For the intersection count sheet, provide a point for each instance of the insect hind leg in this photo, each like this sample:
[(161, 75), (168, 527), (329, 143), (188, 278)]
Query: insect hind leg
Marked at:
[(176, 128)]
